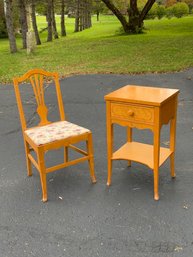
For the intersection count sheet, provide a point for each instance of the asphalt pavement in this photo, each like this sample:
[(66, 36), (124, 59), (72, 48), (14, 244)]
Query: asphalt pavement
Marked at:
[(85, 220)]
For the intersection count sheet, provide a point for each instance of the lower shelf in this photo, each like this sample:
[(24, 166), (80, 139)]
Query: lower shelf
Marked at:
[(142, 153)]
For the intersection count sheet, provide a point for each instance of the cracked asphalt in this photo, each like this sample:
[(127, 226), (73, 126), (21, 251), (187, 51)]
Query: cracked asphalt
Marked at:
[(85, 220)]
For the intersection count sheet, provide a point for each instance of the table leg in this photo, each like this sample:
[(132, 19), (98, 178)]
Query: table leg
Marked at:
[(109, 156), (109, 144), (129, 139), (156, 154), (172, 146)]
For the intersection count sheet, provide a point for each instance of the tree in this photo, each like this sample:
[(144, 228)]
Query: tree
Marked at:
[(23, 22), (30, 33), (78, 16), (189, 3), (180, 9), (98, 7), (63, 27), (134, 24), (169, 12), (49, 20), (34, 22), (83, 15), (152, 14), (161, 11), (3, 30), (54, 28), (10, 27), (169, 3), (87, 7)]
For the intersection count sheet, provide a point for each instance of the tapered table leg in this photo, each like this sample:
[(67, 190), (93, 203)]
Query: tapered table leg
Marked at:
[(109, 144), (172, 146), (129, 139), (156, 154)]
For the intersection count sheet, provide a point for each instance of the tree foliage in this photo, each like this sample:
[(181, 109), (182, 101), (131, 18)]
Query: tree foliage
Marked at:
[(98, 7), (169, 3), (161, 11), (180, 9), (152, 14)]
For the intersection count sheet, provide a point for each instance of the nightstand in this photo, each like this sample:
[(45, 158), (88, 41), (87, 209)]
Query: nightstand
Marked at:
[(142, 108)]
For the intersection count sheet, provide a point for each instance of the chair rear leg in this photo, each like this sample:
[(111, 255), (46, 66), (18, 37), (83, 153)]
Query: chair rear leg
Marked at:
[(65, 154), (28, 162), (91, 158), (42, 169)]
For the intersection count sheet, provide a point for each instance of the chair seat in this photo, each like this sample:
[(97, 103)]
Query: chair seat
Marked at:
[(54, 131)]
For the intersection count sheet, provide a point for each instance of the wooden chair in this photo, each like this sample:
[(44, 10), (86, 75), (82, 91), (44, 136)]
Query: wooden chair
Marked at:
[(50, 135)]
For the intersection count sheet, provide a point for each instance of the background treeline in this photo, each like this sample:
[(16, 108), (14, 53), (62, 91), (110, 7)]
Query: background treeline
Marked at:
[(81, 10), (18, 17), (170, 8), (161, 8)]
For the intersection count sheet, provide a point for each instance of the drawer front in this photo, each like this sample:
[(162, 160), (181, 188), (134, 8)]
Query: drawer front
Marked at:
[(135, 113)]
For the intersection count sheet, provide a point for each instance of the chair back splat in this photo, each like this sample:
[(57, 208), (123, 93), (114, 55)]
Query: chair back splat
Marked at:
[(37, 78)]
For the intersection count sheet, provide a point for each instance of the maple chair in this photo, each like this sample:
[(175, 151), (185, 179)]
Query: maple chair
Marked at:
[(50, 135)]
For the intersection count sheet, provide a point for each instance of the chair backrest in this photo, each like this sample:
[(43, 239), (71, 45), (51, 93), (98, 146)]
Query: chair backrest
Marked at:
[(37, 77)]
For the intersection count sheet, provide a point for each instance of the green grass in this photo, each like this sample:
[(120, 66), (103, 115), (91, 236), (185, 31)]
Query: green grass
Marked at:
[(166, 45)]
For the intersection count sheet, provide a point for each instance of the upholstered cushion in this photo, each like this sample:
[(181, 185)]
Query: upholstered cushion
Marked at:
[(54, 131)]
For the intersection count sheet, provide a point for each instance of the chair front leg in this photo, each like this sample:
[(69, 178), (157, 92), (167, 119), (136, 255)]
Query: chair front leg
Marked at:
[(28, 162), (91, 158), (42, 170)]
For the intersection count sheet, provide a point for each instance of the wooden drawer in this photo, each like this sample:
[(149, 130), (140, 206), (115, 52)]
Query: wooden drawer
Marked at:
[(131, 112)]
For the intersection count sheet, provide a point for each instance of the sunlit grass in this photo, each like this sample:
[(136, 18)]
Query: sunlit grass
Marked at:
[(166, 45)]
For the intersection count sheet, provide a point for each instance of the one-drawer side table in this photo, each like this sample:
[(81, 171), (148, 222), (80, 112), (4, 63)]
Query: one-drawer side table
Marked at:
[(143, 108)]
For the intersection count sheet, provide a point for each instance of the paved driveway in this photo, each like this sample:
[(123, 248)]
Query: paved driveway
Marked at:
[(85, 220)]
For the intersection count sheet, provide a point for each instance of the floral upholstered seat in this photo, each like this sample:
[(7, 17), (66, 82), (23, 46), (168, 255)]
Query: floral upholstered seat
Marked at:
[(54, 131)]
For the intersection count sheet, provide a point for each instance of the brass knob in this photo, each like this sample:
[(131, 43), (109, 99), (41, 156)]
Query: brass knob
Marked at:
[(130, 113)]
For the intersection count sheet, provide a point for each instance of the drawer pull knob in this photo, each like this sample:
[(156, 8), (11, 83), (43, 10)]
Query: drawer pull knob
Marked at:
[(130, 113)]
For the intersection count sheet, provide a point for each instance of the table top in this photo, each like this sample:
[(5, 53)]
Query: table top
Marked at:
[(143, 95)]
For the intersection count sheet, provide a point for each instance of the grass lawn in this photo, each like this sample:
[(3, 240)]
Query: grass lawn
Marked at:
[(166, 45)]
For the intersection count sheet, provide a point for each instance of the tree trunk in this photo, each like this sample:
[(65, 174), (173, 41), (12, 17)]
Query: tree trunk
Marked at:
[(77, 18), (23, 22), (89, 14), (34, 24), (135, 23), (30, 33), (49, 20), (88, 8), (86, 15), (81, 12), (63, 27), (10, 26), (55, 32), (118, 14), (146, 9), (83, 15), (97, 13)]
